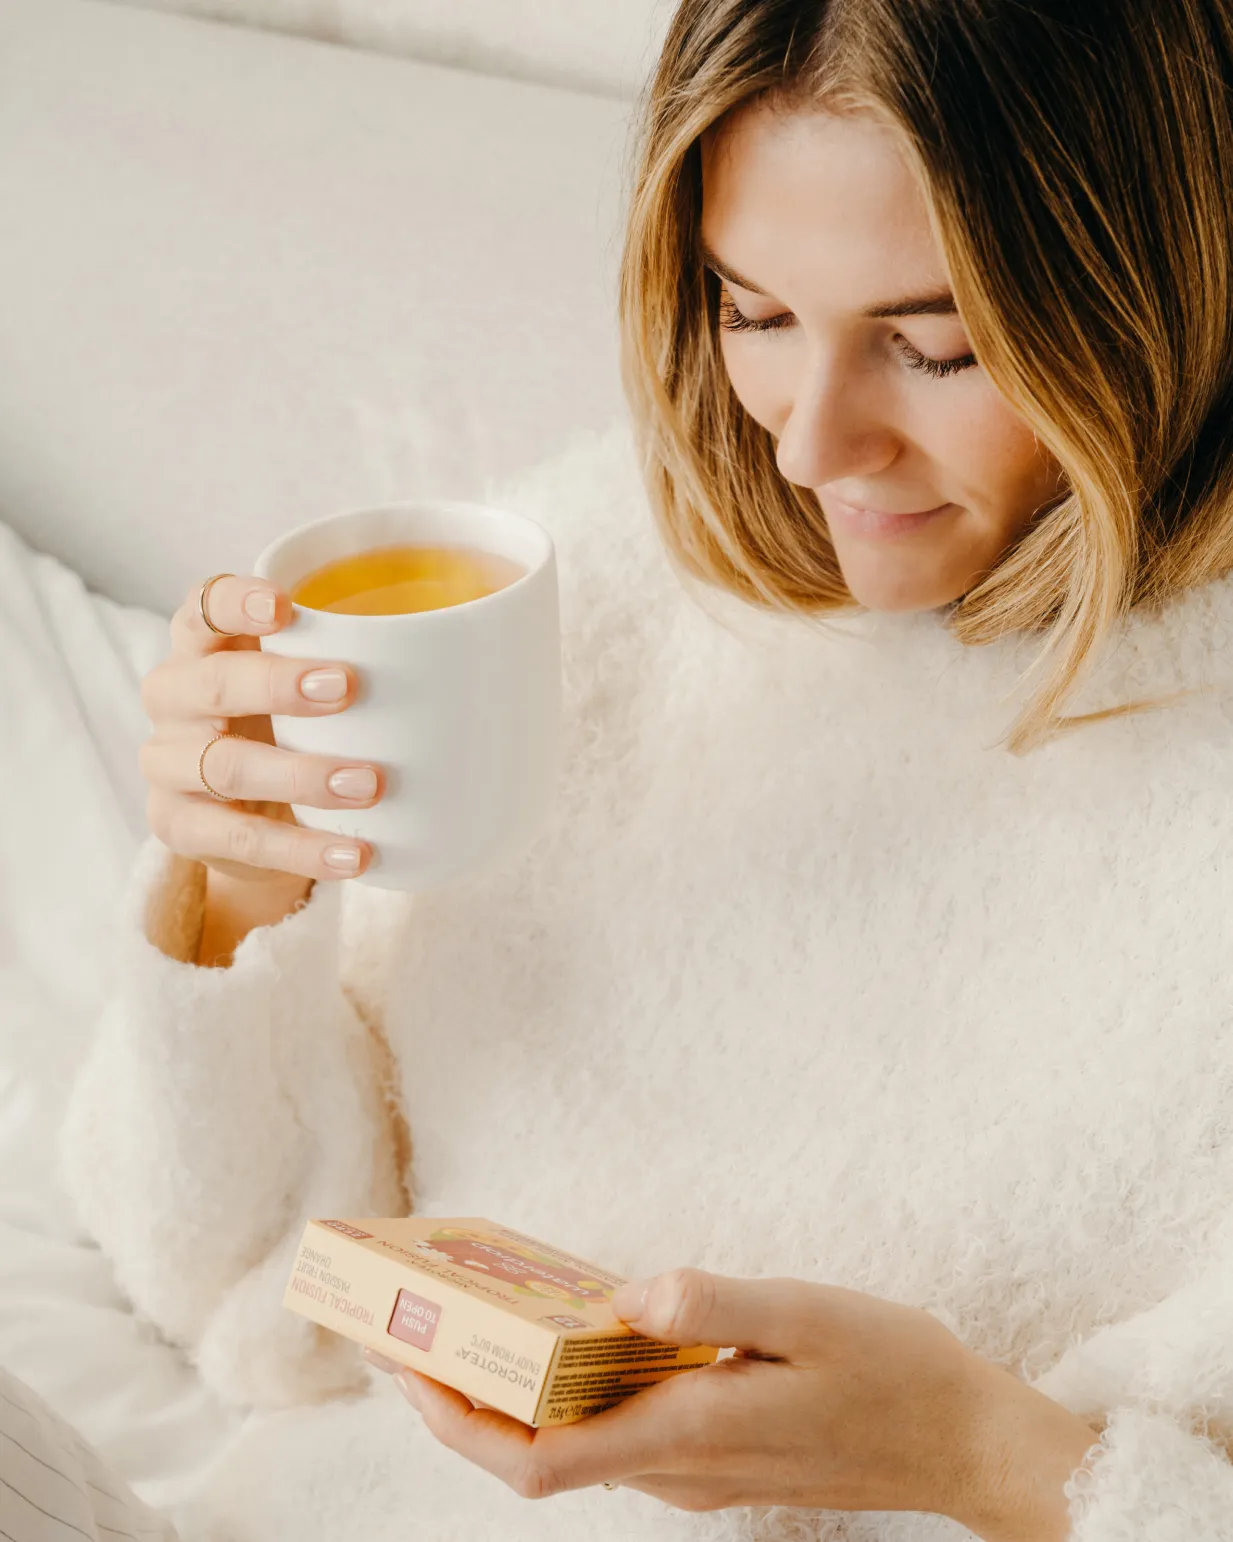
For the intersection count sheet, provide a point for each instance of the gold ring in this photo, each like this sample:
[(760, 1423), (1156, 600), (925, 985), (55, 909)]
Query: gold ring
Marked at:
[(222, 797), (608, 1486), (201, 605)]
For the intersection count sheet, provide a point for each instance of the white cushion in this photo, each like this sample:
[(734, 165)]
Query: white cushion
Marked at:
[(593, 44), (69, 785), (247, 280)]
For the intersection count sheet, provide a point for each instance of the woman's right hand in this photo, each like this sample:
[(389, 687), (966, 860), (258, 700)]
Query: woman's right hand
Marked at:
[(260, 860)]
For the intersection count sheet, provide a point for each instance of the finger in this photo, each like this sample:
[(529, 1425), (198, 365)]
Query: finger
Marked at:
[(489, 1439), (230, 684), (208, 831), (258, 773), (635, 1436), (381, 1363), (689, 1307), (241, 607)]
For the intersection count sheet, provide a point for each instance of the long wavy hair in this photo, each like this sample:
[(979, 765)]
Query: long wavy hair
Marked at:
[(1077, 160)]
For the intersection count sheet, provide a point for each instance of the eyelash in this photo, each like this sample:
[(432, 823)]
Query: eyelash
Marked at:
[(733, 320)]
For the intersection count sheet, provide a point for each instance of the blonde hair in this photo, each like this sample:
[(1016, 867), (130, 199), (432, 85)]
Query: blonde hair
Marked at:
[(1077, 161)]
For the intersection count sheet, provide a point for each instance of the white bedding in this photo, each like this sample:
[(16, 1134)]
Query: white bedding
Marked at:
[(70, 817)]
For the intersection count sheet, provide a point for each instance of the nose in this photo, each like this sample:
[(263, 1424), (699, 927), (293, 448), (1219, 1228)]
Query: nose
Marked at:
[(834, 429)]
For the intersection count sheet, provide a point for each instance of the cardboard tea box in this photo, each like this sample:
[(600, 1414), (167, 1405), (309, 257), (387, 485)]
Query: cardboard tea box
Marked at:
[(511, 1322)]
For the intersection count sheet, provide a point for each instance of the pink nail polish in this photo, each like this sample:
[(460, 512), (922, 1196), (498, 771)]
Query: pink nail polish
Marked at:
[(259, 606), (356, 783), (324, 685), (343, 859), (629, 1300)]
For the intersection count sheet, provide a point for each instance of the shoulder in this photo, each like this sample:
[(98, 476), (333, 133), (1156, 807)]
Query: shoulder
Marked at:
[(1182, 645), (631, 624), (614, 571)]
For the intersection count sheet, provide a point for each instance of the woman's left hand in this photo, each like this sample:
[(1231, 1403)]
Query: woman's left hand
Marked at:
[(835, 1400)]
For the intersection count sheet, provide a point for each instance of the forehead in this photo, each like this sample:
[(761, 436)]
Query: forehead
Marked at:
[(810, 202)]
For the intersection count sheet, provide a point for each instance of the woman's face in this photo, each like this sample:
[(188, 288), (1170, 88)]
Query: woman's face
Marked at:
[(841, 338)]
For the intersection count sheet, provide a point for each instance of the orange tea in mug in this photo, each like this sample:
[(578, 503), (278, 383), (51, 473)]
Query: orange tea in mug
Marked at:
[(400, 580)]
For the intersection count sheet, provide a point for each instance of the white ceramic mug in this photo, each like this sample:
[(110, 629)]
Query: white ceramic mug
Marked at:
[(460, 707)]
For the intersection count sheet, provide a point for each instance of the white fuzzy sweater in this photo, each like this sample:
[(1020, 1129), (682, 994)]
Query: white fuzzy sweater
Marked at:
[(810, 977)]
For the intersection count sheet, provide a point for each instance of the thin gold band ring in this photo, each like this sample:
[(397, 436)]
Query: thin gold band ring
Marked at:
[(201, 604), (220, 796)]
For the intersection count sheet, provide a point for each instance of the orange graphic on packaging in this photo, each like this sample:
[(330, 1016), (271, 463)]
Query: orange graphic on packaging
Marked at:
[(529, 1272)]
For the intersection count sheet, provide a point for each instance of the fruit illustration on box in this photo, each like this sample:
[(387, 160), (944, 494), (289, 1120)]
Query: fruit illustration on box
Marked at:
[(529, 1272)]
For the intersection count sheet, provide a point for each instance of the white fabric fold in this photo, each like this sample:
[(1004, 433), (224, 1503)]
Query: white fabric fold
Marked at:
[(1151, 1479)]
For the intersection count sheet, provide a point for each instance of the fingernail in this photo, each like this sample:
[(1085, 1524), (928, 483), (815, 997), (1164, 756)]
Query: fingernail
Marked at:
[(324, 685), (259, 606), (343, 859), (407, 1386), (629, 1300), (382, 1362), (354, 782)]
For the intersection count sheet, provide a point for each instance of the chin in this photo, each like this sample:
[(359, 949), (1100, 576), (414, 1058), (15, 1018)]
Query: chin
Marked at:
[(897, 594)]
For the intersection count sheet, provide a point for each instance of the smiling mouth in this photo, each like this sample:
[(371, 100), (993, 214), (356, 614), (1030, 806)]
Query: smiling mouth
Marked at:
[(880, 524)]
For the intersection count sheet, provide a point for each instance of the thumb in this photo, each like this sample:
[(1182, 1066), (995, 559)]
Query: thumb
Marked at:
[(689, 1306)]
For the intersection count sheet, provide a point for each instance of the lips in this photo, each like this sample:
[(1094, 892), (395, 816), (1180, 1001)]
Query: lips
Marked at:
[(881, 524)]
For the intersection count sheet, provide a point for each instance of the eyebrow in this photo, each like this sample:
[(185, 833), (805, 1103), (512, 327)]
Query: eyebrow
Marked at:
[(941, 303)]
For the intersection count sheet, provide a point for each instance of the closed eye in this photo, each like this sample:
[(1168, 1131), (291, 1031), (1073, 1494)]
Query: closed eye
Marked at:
[(938, 369), (732, 319)]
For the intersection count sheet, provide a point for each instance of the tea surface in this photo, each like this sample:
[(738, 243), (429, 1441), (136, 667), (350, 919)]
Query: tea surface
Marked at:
[(400, 580)]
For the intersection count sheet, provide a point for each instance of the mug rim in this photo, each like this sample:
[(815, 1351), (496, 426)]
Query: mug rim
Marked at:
[(408, 506)]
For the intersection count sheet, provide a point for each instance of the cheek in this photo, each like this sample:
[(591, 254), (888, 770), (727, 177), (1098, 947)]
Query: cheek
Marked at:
[(983, 455), (992, 456), (761, 379)]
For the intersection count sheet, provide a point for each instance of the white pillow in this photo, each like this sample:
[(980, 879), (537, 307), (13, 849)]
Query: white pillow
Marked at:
[(608, 45), (247, 280)]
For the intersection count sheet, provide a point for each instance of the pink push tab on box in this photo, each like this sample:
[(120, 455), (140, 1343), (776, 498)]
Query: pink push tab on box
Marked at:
[(414, 1320)]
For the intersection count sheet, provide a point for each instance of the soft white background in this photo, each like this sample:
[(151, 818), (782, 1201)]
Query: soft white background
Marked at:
[(248, 279), (604, 45)]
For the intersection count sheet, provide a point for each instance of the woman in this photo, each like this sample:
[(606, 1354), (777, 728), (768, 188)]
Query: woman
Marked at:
[(917, 1051)]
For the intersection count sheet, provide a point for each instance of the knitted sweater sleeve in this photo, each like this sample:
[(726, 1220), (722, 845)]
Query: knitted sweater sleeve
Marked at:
[(216, 1110), (1162, 1384)]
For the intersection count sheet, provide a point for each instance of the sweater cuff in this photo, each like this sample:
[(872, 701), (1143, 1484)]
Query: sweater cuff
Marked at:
[(195, 1122), (1149, 1477), (162, 924)]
